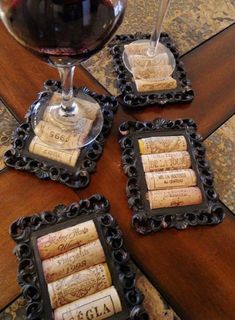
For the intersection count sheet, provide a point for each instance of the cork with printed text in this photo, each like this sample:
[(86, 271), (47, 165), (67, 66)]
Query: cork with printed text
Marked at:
[(64, 240), (98, 306), (73, 261)]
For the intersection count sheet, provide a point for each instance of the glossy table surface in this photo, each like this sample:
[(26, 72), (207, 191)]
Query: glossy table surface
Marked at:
[(193, 269)]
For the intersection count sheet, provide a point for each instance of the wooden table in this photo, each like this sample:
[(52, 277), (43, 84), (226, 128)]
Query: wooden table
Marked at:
[(193, 269)]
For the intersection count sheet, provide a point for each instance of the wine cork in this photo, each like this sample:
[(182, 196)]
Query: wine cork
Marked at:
[(136, 49), (166, 161), (73, 261), (83, 125), (87, 109), (49, 133), (155, 85), (64, 240), (68, 157), (140, 48), (79, 285), (145, 61), (98, 306), (170, 179), (162, 144), (153, 73), (174, 197)]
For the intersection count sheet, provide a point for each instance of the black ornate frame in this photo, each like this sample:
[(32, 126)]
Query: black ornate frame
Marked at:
[(129, 94), (79, 176), (146, 220), (26, 230)]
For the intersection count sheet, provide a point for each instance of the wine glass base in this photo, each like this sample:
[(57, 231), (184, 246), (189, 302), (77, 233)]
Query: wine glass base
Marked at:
[(161, 49), (68, 131)]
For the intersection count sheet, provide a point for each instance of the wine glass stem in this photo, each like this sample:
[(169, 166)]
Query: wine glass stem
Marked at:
[(66, 75), (160, 15)]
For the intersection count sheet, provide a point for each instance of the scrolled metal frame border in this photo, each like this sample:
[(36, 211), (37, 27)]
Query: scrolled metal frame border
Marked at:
[(129, 95), (143, 220), (95, 207), (79, 177)]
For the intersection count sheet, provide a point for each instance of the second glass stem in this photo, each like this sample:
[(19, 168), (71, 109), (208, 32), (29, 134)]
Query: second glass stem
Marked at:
[(160, 15)]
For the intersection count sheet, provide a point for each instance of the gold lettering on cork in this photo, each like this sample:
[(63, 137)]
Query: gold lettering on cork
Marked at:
[(61, 241), (98, 306)]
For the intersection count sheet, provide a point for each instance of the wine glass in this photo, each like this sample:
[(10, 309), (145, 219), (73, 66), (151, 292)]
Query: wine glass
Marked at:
[(153, 52), (64, 33)]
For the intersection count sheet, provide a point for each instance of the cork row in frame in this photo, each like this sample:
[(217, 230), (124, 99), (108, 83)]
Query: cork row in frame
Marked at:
[(73, 264), (170, 183)]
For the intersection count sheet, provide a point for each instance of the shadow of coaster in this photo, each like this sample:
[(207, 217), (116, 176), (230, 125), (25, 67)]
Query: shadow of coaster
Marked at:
[(75, 176)]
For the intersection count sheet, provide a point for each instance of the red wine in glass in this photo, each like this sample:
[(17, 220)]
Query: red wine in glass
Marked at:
[(64, 33), (72, 28)]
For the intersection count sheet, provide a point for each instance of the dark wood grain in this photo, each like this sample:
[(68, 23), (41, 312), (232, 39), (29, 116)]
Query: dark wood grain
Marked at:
[(22, 193), (194, 269)]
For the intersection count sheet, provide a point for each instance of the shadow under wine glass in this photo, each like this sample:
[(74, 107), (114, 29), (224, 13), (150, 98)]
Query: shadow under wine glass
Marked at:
[(64, 33)]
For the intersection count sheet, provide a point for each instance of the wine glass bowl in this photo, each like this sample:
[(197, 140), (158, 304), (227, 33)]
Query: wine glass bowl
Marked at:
[(64, 33)]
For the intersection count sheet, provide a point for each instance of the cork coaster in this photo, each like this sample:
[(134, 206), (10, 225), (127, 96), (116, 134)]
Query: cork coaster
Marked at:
[(170, 183), (139, 93), (70, 167), (98, 280)]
